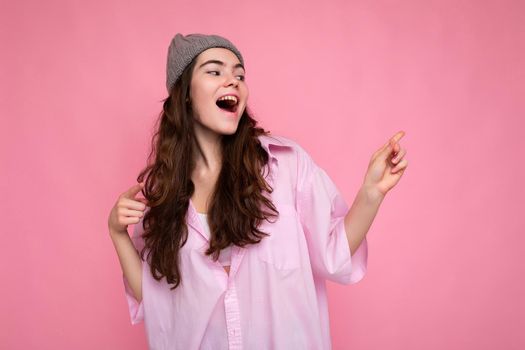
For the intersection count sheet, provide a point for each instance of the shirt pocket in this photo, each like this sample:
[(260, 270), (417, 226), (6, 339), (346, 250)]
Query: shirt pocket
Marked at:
[(281, 249)]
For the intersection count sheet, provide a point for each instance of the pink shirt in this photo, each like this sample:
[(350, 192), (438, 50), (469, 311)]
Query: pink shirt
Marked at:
[(275, 295)]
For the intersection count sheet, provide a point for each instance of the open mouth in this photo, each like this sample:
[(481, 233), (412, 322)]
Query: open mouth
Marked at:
[(228, 105)]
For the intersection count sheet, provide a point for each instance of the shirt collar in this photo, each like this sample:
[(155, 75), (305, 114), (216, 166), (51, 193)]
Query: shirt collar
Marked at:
[(268, 142)]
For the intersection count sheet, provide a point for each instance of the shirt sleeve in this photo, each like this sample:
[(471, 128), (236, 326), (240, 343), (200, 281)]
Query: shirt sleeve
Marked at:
[(322, 210), (136, 309)]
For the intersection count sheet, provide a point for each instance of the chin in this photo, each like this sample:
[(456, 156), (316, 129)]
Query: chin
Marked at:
[(228, 131)]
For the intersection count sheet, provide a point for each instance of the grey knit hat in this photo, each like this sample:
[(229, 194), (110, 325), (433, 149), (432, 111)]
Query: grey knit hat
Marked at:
[(183, 49)]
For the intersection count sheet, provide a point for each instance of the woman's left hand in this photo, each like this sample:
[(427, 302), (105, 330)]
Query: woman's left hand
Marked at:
[(386, 166)]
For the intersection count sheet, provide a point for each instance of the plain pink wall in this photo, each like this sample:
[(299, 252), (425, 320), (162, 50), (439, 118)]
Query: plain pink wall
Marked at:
[(82, 83)]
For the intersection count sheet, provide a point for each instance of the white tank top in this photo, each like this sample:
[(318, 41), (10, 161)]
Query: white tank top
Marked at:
[(225, 254)]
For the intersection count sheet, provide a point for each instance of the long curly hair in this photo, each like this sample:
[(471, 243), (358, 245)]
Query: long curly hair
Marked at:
[(235, 210)]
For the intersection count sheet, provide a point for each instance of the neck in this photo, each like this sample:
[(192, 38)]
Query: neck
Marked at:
[(207, 151)]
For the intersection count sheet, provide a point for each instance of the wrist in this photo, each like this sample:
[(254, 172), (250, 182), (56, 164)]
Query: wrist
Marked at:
[(371, 194), (114, 233)]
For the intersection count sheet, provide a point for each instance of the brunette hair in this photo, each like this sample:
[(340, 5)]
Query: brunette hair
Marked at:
[(235, 211)]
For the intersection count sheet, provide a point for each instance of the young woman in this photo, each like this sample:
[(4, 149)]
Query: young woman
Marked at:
[(239, 229)]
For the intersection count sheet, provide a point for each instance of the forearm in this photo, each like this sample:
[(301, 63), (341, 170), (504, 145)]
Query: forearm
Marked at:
[(361, 215), (129, 261)]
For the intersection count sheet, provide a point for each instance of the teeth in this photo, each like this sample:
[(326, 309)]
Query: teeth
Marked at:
[(229, 98)]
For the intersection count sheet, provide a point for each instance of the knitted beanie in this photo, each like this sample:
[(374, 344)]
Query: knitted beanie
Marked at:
[(183, 49)]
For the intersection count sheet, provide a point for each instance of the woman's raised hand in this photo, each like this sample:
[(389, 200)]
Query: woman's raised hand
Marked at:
[(386, 166), (128, 210)]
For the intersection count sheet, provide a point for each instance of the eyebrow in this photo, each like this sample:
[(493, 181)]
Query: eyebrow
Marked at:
[(221, 64)]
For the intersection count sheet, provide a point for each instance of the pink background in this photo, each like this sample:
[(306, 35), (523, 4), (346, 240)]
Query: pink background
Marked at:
[(81, 84)]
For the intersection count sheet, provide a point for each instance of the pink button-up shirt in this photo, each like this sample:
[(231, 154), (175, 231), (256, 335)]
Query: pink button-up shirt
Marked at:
[(275, 295)]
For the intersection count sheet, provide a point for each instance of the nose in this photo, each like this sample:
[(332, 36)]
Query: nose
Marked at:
[(231, 80)]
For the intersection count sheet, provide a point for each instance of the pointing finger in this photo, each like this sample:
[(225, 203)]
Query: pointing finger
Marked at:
[(393, 140), (398, 136), (133, 190)]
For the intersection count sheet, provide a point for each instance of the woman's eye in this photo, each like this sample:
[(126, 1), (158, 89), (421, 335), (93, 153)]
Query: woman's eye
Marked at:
[(242, 77)]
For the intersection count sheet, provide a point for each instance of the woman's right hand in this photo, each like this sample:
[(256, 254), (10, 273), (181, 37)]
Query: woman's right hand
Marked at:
[(128, 210)]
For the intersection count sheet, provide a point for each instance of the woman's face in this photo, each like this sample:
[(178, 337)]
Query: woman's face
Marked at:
[(218, 72)]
